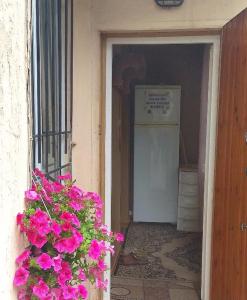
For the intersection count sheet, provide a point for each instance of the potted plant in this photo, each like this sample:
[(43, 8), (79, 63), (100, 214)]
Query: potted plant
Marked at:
[(67, 241)]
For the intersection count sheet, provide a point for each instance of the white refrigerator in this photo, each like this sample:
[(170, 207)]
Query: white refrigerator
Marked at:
[(156, 153)]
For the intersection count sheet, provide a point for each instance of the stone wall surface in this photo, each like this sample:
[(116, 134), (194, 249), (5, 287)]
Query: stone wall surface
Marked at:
[(13, 134)]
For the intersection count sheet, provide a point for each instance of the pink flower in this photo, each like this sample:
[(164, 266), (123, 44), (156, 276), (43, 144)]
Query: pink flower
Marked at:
[(23, 257), (56, 208), (82, 275), (56, 228), (57, 187), (101, 265), (57, 263), (19, 222), (45, 261), (66, 226), (69, 217), (47, 198), (119, 237), (69, 245), (95, 249), (22, 294), (101, 284), (41, 289), (105, 230), (32, 195), (38, 173), (47, 186), (69, 292), (65, 274), (79, 238), (56, 293), (75, 193), (82, 291), (109, 247), (19, 218), (21, 276), (66, 176), (75, 205), (40, 222), (36, 239)]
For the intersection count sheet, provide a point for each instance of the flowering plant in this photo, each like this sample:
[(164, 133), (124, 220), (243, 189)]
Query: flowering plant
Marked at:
[(68, 241)]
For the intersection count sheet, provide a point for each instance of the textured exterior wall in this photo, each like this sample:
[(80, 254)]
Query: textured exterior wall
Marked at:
[(13, 134)]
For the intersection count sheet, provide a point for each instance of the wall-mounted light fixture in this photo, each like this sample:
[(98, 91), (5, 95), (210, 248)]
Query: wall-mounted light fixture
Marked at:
[(169, 3)]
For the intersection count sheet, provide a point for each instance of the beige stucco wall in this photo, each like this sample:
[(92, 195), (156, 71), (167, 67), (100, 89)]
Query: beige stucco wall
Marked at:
[(13, 134), (92, 17)]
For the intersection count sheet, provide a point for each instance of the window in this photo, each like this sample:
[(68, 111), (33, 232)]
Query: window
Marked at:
[(52, 76)]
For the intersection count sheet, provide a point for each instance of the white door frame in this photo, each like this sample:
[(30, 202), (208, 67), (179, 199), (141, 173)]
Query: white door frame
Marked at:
[(214, 42)]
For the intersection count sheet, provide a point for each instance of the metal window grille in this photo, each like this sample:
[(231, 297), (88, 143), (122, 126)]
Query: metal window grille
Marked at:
[(52, 92)]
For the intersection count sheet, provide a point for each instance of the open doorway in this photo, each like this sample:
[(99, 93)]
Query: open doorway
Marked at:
[(160, 108)]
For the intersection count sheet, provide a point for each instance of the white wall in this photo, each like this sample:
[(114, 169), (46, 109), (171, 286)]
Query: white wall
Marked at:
[(13, 134)]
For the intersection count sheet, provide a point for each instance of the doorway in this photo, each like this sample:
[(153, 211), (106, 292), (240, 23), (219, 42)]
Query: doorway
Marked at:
[(146, 52)]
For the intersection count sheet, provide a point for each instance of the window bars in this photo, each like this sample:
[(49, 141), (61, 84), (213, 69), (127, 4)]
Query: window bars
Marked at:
[(52, 88)]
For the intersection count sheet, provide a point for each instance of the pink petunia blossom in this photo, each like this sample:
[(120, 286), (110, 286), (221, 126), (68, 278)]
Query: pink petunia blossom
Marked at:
[(19, 222), (32, 195), (56, 293), (36, 239), (101, 284), (65, 274), (19, 218), (45, 261), (75, 193), (82, 291), (41, 289), (66, 176), (47, 198), (57, 187), (21, 276), (69, 217), (40, 222), (47, 186), (22, 295), (66, 227), (101, 265), (105, 230), (109, 247), (76, 205), (23, 257), (57, 263), (79, 238), (56, 208), (95, 249), (56, 228), (38, 173), (70, 244), (82, 275), (69, 292), (119, 237)]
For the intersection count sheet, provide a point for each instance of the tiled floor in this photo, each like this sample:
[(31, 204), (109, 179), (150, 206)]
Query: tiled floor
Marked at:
[(170, 268), (136, 289)]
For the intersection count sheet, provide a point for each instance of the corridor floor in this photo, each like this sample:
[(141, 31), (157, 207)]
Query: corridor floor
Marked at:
[(168, 264)]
